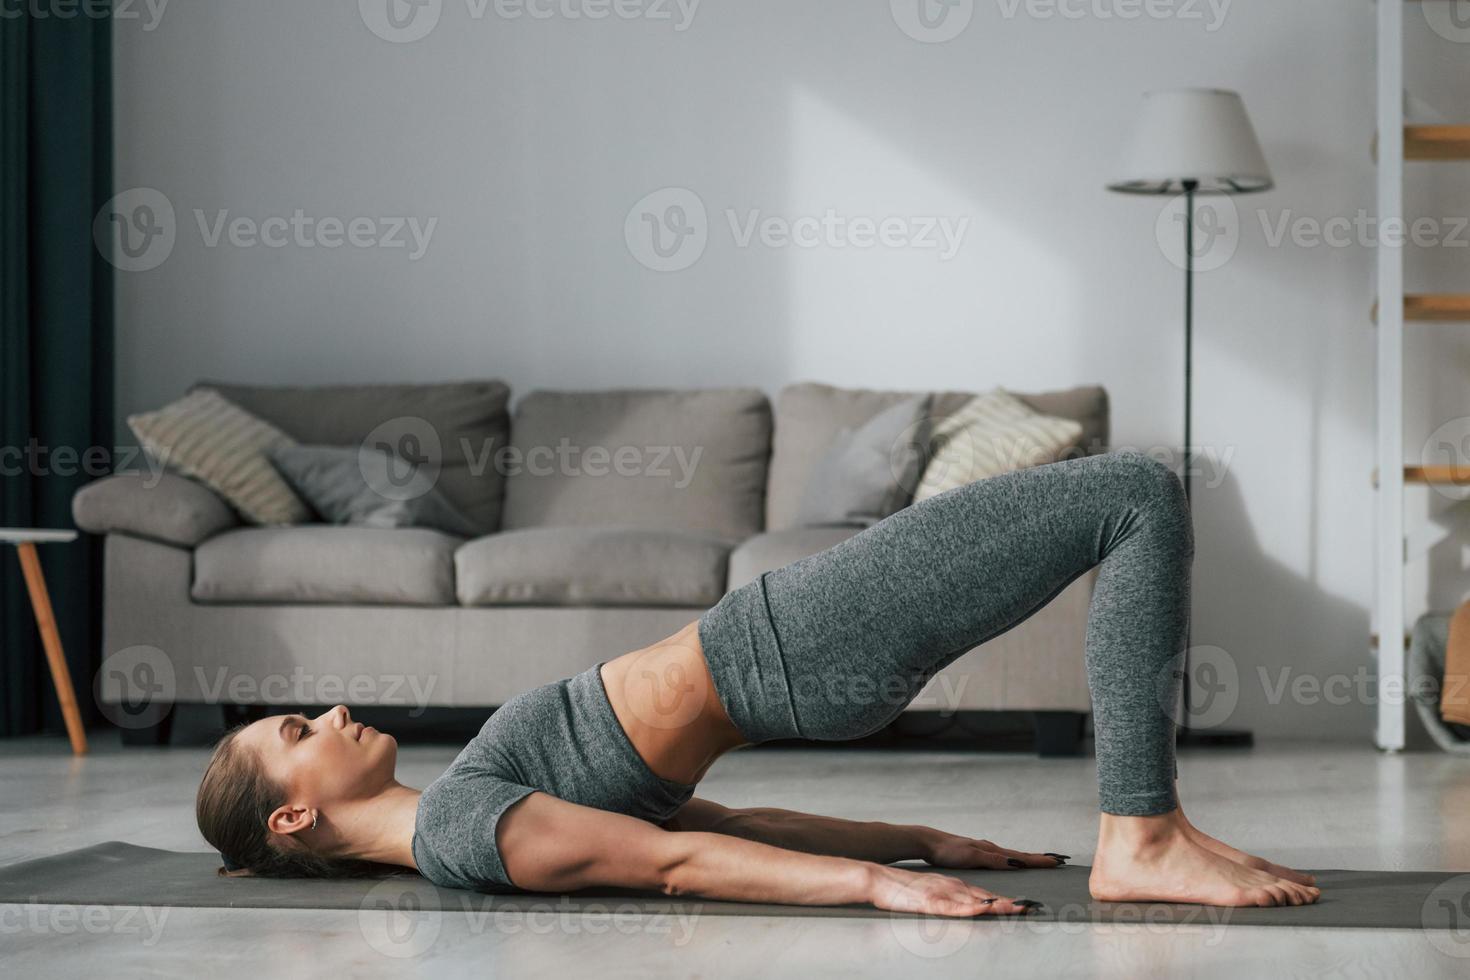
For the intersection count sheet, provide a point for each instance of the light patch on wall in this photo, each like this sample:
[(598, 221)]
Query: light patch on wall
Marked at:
[(894, 255)]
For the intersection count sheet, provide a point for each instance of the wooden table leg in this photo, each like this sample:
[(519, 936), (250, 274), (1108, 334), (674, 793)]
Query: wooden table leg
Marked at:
[(30, 565)]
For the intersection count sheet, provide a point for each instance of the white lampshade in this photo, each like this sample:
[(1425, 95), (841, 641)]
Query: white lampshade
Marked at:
[(1197, 134)]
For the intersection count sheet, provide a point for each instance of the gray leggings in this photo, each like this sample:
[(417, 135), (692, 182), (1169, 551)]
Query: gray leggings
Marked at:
[(834, 646)]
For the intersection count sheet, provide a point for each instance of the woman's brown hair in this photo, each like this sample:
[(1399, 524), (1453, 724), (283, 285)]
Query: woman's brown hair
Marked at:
[(236, 799)]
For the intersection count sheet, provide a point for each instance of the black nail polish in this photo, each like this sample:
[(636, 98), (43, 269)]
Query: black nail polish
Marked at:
[(1014, 863), (1059, 857), (1026, 903)]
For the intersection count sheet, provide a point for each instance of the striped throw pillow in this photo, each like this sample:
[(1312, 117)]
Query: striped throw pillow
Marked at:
[(991, 434), (221, 445)]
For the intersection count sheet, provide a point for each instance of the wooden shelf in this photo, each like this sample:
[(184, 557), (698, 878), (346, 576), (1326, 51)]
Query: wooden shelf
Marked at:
[(1433, 142), (1433, 308), (1437, 142), (1451, 475)]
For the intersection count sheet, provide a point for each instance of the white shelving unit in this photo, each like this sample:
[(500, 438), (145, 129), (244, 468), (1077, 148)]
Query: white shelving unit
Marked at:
[(1397, 141), (1389, 551)]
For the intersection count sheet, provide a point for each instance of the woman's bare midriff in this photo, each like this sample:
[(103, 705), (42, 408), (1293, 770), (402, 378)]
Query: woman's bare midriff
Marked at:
[(665, 699)]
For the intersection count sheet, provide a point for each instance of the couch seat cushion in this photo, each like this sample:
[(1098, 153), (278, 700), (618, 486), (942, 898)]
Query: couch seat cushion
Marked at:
[(325, 564), (774, 549), (592, 566)]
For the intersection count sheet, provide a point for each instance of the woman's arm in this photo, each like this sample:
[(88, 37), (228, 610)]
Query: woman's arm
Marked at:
[(864, 840), (549, 845)]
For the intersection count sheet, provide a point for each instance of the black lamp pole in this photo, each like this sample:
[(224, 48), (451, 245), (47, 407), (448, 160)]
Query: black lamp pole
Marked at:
[(1213, 736), (1190, 186)]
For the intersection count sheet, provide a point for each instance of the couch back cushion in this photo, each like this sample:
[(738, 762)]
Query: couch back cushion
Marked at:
[(456, 428), (810, 415), (680, 460)]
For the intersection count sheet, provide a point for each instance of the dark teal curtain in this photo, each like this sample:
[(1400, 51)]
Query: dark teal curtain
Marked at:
[(56, 362)]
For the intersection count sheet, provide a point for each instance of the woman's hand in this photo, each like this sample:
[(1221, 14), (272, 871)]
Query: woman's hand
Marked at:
[(923, 893), (953, 851)]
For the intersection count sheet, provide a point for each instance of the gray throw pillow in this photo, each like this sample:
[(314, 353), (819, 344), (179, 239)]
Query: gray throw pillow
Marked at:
[(870, 472), (369, 488)]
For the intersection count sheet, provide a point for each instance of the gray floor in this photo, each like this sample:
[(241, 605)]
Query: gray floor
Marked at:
[(1307, 804)]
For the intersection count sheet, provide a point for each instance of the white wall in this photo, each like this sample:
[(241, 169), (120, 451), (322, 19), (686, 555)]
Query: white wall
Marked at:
[(530, 140)]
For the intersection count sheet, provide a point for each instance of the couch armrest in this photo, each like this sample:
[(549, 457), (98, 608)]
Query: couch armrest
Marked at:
[(163, 507)]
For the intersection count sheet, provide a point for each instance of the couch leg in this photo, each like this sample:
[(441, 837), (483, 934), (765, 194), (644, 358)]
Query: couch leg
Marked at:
[(1058, 733), (152, 733)]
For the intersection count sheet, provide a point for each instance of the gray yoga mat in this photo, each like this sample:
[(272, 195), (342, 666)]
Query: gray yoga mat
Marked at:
[(118, 873)]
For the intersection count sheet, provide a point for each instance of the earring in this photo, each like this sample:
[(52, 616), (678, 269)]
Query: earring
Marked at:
[(313, 821)]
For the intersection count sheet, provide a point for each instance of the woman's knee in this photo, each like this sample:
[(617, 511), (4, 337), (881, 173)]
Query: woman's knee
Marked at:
[(1140, 481)]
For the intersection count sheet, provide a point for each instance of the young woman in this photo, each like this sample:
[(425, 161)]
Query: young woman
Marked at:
[(590, 781)]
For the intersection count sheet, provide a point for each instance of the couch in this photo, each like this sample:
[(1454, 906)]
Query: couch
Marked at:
[(606, 520)]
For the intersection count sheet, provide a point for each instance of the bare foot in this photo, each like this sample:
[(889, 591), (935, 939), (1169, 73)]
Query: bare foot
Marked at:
[(1241, 857), (1156, 859)]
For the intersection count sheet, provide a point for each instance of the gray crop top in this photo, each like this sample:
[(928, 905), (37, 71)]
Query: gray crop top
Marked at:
[(562, 739)]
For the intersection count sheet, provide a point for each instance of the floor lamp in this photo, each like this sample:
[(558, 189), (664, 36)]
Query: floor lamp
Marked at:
[(1193, 141)]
